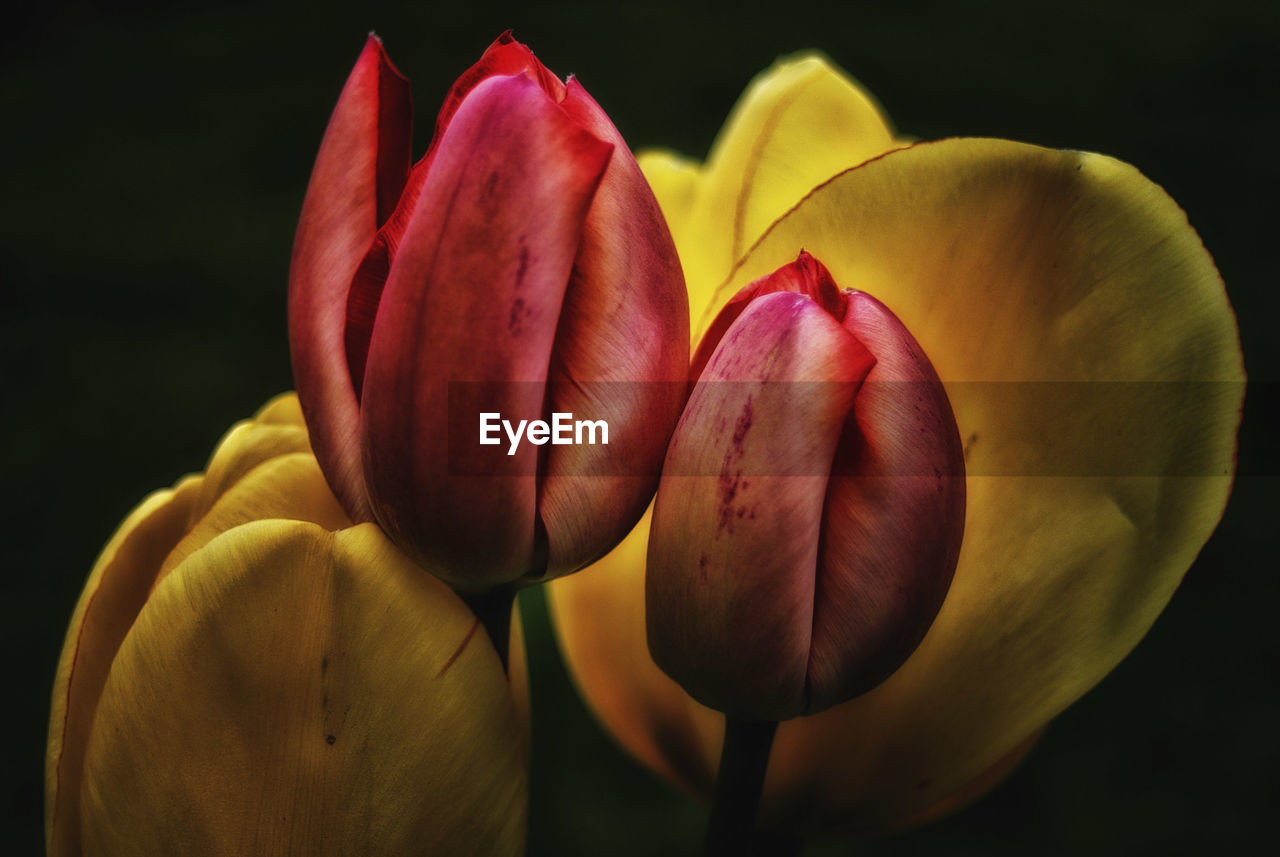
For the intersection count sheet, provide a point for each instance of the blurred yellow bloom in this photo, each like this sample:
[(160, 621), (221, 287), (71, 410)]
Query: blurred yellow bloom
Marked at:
[(1093, 364), (248, 673)]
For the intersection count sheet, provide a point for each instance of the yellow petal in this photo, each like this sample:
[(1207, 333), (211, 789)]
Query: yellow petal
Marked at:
[(287, 690), (799, 123), (290, 487), (284, 409), (167, 522), (1092, 360), (971, 793), (246, 445), (263, 480), (599, 618), (114, 593)]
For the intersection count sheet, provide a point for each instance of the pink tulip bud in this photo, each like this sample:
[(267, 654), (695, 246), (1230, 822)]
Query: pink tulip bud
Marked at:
[(523, 264), (811, 507)]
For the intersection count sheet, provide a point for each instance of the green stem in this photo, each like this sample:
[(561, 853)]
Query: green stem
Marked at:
[(742, 765), (493, 609)]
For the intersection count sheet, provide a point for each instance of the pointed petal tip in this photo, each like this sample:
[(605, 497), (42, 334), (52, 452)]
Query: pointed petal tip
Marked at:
[(375, 51), (805, 276)]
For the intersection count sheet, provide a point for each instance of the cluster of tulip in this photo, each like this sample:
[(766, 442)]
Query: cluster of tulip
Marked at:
[(857, 532)]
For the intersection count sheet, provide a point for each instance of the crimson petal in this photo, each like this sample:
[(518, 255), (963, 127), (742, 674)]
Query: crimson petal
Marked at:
[(733, 552), (621, 355), (358, 177), (491, 242)]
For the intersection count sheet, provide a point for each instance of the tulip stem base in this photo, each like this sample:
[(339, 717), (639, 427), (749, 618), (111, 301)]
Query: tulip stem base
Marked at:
[(743, 760), (493, 609)]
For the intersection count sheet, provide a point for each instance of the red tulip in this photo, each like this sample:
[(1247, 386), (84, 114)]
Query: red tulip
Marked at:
[(521, 263), (811, 508)]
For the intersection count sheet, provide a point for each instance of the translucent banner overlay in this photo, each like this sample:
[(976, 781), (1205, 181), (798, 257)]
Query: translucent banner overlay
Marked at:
[(1040, 428)]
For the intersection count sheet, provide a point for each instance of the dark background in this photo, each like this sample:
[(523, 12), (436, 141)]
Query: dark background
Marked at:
[(154, 163)]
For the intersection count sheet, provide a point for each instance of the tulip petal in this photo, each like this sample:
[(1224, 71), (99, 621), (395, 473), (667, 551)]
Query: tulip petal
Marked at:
[(972, 792), (492, 241), (621, 355), (287, 487), (504, 57), (247, 445), (799, 123), (371, 274), (894, 515), (805, 276), (292, 691), (676, 182), (114, 594), (283, 409), (748, 465), (357, 179), (242, 477)]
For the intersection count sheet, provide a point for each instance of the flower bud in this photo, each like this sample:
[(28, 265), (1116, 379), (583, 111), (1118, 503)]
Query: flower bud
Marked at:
[(248, 672), (525, 257), (811, 508)]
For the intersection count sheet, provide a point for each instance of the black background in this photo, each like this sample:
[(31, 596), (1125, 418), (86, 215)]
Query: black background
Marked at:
[(154, 163)]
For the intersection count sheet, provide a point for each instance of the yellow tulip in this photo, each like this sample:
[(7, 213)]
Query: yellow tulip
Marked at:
[(247, 672), (1034, 280)]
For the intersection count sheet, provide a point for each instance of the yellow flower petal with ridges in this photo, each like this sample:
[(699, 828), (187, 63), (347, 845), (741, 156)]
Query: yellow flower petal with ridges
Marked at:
[(288, 690), (799, 123), (277, 429), (118, 586), (289, 487), (114, 593), (1093, 364), (261, 484)]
